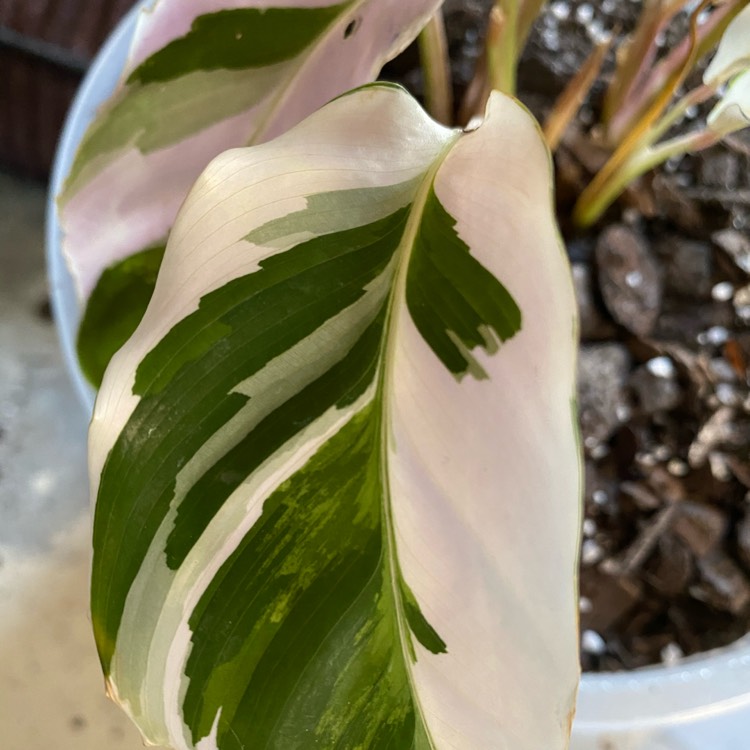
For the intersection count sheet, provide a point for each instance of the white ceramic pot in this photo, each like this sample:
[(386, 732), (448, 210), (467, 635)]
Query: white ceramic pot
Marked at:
[(701, 704), (96, 88)]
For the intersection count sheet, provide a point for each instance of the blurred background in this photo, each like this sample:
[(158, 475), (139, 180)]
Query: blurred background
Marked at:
[(46, 47), (51, 689)]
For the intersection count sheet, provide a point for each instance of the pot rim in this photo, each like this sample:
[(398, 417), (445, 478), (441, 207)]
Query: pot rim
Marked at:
[(696, 688)]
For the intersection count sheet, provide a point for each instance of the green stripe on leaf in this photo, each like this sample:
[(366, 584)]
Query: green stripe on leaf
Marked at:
[(422, 630), (326, 212), (455, 302), (115, 309), (238, 39), (155, 116), (237, 330), (305, 517), (227, 62), (296, 640)]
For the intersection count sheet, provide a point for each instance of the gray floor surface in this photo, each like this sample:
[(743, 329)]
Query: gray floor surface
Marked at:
[(51, 689)]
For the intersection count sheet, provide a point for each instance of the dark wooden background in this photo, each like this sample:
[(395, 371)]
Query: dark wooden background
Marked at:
[(45, 49)]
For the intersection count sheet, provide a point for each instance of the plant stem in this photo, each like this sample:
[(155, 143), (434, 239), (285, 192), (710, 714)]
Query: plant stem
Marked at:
[(502, 49), (528, 13), (477, 93), (433, 49), (636, 56), (697, 96), (573, 96), (601, 193), (638, 142)]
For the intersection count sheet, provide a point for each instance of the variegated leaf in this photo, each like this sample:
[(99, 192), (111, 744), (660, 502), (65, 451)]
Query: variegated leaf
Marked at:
[(733, 53), (204, 76), (336, 467)]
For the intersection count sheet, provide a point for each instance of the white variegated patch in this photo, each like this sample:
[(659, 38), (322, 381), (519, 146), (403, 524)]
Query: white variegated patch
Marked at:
[(732, 112), (493, 511), (259, 186), (733, 53)]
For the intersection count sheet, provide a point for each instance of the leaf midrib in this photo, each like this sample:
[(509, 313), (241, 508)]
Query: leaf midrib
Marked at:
[(301, 61), (396, 304)]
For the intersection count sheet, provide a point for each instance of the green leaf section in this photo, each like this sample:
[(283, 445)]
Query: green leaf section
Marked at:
[(237, 39), (236, 331), (298, 635), (455, 302), (114, 310), (304, 637), (422, 630), (153, 117)]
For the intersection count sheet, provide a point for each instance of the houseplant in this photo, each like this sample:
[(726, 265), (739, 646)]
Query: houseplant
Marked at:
[(382, 136)]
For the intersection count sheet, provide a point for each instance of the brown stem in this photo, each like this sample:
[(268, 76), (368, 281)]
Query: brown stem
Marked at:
[(433, 49), (636, 57), (637, 101), (574, 95)]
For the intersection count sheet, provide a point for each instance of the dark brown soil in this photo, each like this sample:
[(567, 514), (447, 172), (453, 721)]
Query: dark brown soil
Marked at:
[(664, 290)]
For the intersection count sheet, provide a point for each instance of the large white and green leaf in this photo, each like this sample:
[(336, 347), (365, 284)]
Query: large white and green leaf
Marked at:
[(204, 76), (336, 468)]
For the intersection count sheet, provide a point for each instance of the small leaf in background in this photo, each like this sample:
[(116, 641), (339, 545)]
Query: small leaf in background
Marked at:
[(336, 469), (115, 309), (733, 54), (732, 112), (204, 76)]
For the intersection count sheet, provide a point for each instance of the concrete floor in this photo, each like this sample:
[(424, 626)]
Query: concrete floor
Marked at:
[(51, 689)]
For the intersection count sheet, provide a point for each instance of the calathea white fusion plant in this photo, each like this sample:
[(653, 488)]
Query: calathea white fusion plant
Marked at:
[(335, 467)]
